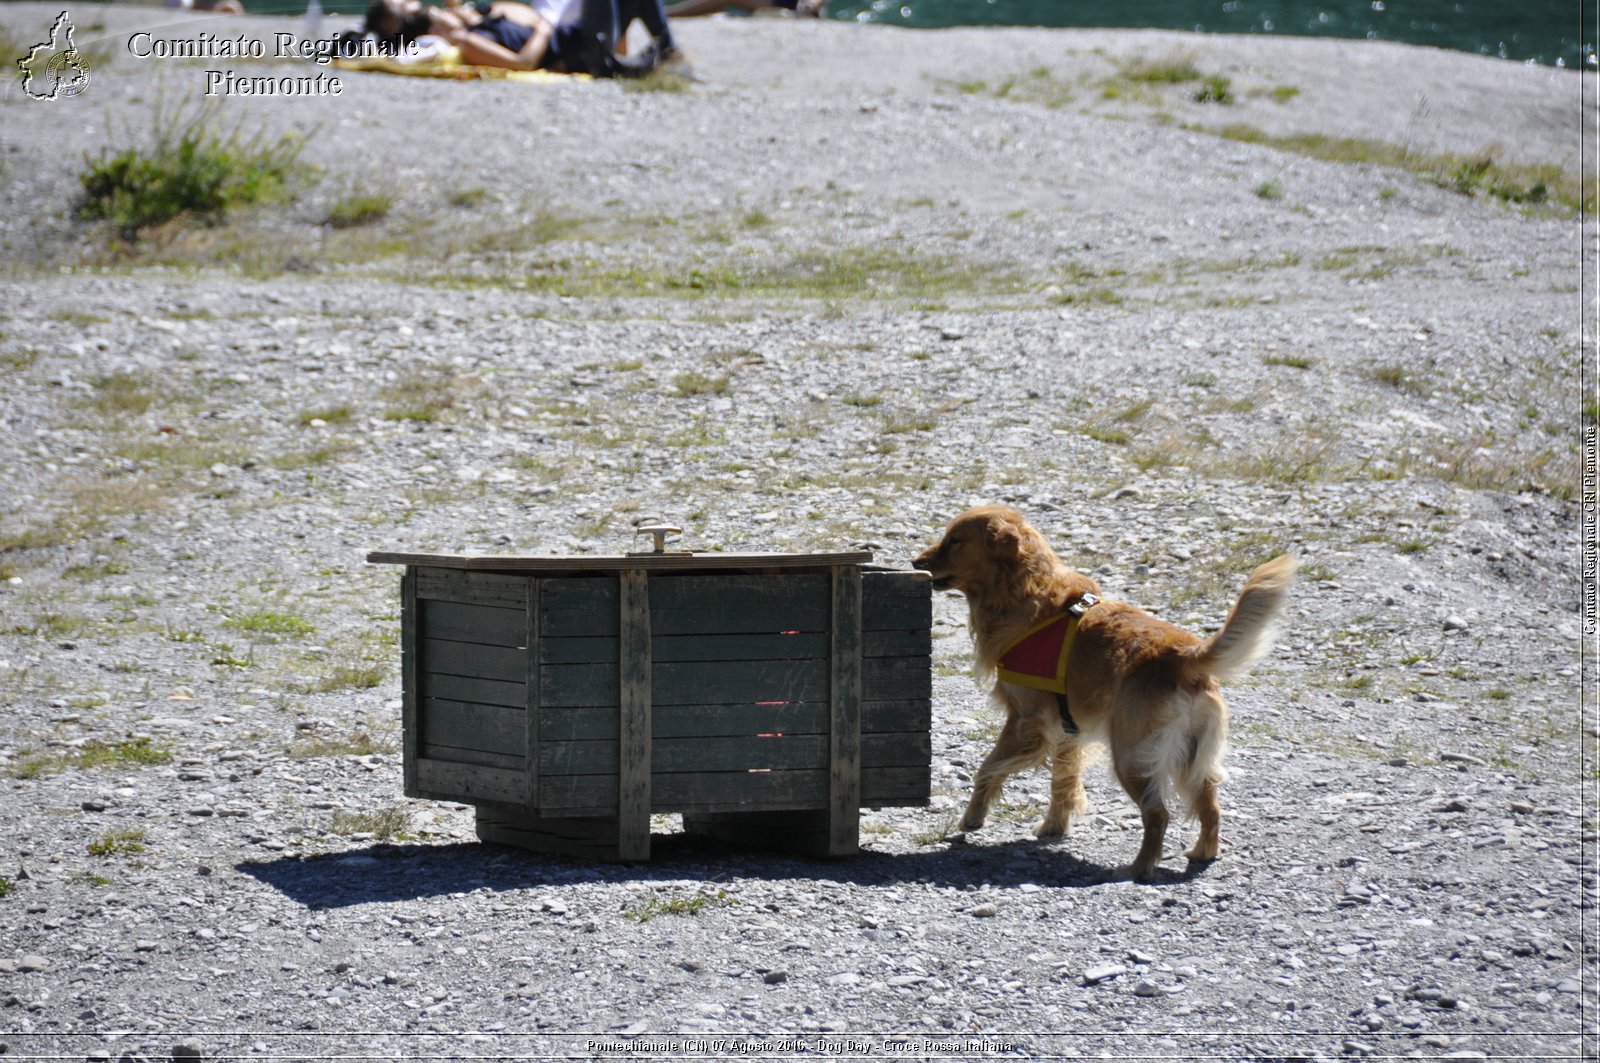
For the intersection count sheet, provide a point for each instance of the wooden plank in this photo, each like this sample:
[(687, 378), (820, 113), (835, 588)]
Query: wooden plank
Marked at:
[(570, 685), (691, 683), (897, 643), (595, 649), (410, 647), (476, 691), (762, 647), (897, 614), (765, 646), (483, 624), (491, 728), (715, 605), (468, 783), (896, 600), (595, 795), (845, 693), (743, 682), (530, 683), (578, 607), (611, 563), (910, 714), (475, 588), (591, 838), (633, 717), (731, 605), (478, 758), (752, 791), (448, 657), (902, 583), (571, 723), (908, 749), (699, 753), (895, 678), (895, 787)]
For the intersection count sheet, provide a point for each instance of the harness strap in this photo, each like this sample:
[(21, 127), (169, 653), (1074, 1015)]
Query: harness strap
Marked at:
[(1037, 659)]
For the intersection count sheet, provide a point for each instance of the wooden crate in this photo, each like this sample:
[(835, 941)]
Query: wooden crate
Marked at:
[(767, 698)]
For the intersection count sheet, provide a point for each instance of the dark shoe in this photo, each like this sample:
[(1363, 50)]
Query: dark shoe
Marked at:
[(636, 66)]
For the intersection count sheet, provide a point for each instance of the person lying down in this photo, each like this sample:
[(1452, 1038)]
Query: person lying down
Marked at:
[(581, 39)]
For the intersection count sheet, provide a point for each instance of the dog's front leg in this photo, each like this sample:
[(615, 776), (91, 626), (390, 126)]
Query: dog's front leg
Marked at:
[(1067, 798), (1021, 745), (1010, 754)]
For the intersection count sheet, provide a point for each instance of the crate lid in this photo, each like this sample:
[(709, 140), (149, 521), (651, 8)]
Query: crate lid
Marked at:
[(676, 561)]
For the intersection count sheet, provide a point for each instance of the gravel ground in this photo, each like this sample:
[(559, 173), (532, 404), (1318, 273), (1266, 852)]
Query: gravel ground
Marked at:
[(845, 284)]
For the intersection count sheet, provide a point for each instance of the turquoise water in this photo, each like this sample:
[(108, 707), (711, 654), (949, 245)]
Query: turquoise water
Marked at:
[(1543, 31)]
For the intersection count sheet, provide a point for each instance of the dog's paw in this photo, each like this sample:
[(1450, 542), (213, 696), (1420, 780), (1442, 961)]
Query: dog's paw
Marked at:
[(970, 824), (1136, 873), (1050, 828), (1199, 851)]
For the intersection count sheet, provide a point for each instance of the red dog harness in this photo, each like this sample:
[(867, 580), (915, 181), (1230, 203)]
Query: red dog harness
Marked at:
[(1037, 659)]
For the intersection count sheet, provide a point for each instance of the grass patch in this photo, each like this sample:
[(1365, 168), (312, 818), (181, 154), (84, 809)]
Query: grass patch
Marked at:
[(270, 622), (659, 81), (678, 905), (424, 397), (833, 275), (360, 208), (1038, 86), (1467, 174), (125, 753), (222, 657), (1215, 89), (383, 824), (54, 626), (1399, 378), (1100, 433), (343, 413), (6, 886), (914, 423), (122, 394), (131, 752), (190, 167), (1270, 190), (117, 843), (1292, 361), (1174, 69), (348, 677), (1099, 295), (96, 571), (688, 385), (305, 459), (354, 744)]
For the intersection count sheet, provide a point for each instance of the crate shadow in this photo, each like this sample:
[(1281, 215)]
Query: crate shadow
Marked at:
[(412, 871)]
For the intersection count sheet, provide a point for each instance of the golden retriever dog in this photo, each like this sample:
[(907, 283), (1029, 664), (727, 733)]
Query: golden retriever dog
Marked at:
[(1130, 681)]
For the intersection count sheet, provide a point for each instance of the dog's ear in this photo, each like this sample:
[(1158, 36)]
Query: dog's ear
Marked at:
[(1005, 539)]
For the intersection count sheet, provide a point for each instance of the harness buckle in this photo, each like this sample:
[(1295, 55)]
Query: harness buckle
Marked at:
[(1082, 605)]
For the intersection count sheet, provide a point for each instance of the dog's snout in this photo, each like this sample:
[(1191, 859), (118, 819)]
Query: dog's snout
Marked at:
[(921, 563)]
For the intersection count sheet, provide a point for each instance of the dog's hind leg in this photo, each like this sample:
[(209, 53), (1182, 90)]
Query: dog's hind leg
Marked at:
[(1202, 771), (1018, 747), (1209, 811), (1146, 793), (1067, 798)]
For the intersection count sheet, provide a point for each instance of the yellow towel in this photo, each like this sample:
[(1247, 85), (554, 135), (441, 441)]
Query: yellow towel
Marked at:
[(444, 61)]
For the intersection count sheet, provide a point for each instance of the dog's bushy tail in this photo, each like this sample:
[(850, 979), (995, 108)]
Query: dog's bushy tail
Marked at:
[(1252, 623)]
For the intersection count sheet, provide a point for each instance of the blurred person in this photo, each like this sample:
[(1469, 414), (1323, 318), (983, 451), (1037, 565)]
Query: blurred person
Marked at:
[(582, 39)]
